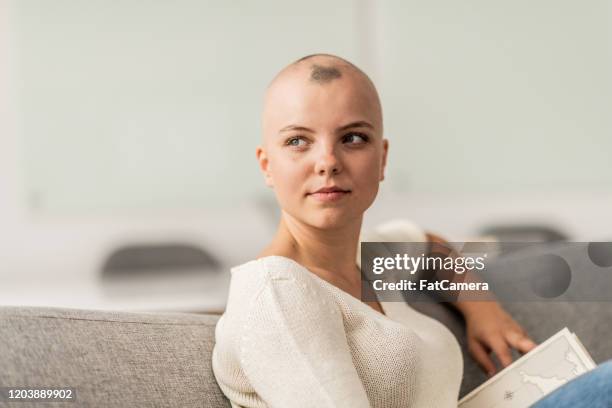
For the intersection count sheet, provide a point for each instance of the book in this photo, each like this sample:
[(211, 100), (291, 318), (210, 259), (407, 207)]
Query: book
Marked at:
[(545, 368)]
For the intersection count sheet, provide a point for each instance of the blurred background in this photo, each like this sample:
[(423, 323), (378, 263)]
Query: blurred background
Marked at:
[(128, 177)]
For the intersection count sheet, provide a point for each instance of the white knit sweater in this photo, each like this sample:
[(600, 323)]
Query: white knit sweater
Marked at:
[(291, 339)]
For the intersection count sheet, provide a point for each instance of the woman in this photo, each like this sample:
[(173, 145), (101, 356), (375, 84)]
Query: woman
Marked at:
[(295, 332)]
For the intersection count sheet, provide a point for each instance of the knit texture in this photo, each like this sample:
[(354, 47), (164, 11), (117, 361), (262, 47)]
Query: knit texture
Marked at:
[(291, 339)]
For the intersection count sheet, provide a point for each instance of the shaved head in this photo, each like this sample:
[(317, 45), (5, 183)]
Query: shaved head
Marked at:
[(322, 125), (319, 70)]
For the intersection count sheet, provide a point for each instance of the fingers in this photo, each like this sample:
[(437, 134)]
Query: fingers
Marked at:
[(520, 341), (500, 347), (482, 357)]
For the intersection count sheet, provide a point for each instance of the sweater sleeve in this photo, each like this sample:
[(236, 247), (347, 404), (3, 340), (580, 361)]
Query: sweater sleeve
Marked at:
[(294, 349)]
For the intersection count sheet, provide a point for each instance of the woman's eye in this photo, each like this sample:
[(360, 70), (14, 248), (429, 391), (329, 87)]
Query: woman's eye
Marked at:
[(296, 141), (356, 138)]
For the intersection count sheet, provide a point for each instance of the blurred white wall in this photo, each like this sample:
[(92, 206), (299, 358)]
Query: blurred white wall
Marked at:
[(500, 96), (154, 104), (138, 105), (127, 121)]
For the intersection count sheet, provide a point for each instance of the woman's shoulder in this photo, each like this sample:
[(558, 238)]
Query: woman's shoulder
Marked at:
[(273, 285), (251, 279)]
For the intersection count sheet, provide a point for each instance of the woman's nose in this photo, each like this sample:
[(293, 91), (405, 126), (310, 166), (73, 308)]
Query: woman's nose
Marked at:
[(328, 163)]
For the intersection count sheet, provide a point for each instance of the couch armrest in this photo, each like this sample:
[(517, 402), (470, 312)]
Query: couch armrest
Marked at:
[(111, 359)]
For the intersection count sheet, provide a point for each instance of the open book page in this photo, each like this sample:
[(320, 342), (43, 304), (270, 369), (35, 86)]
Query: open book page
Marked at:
[(548, 366)]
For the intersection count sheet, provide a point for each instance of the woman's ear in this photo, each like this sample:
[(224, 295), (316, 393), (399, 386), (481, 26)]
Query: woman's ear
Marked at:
[(264, 165), (384, 159)]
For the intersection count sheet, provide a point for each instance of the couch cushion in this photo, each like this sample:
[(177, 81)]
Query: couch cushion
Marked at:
[(115, 359)]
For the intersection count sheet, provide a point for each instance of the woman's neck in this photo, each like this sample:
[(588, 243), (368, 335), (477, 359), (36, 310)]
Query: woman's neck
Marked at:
[(330, 253)]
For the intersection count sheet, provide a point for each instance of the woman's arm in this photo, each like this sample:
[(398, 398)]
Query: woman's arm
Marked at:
[(488, 326), (294, 349)]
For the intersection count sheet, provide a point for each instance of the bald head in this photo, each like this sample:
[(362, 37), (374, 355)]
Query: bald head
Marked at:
[(323, 73)]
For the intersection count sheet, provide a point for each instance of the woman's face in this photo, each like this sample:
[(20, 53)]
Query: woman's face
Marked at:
[(319, 135)]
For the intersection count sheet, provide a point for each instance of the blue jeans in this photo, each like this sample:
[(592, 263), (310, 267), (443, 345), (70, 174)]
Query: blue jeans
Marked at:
[(592, 389)]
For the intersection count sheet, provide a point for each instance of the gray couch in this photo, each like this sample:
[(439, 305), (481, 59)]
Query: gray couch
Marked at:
[(124, 359)]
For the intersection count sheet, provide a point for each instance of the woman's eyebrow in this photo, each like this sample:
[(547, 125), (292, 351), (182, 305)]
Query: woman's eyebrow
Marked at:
[(295, 127), (359, 123)]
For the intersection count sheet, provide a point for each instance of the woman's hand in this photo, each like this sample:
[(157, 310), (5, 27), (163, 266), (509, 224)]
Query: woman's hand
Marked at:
[(490, 328)]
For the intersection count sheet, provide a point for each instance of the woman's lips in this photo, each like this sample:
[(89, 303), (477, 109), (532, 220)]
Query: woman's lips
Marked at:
[(328, 197)]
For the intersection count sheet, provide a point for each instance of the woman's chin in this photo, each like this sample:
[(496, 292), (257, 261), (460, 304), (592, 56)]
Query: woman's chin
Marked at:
[(331, 219)]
